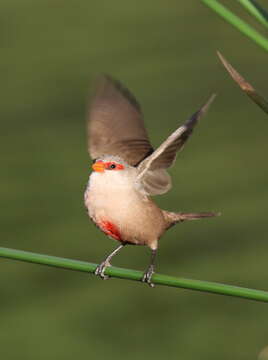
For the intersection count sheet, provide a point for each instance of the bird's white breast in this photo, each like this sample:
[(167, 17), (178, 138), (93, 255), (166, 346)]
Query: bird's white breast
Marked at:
[(111, 194), (112, 197)]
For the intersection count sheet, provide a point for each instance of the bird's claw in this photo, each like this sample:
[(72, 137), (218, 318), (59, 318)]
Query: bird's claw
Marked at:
[(148, 276), (101, 269)]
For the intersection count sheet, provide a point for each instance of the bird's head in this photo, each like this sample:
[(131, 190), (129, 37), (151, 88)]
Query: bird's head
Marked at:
[(108, 164), (113, 172)]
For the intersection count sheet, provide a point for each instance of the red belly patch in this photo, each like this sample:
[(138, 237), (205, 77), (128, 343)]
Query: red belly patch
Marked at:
[(110, 229)]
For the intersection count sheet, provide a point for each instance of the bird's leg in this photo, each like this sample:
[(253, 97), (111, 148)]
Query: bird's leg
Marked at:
[(102, 266), (150, 270)]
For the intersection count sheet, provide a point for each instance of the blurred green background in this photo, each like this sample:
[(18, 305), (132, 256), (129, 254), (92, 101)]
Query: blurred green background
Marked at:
[(165, 53)]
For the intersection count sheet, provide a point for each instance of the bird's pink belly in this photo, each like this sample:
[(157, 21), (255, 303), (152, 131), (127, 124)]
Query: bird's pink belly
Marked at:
[(110, 229)]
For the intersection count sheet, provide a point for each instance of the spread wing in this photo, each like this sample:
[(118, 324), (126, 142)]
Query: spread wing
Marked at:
[(115, 124), (164, 156)]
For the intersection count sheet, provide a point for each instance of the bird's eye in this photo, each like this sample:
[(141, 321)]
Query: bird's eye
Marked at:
[(110, 165)]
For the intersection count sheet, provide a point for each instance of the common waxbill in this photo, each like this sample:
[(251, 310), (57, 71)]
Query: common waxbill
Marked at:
[(127, 171)]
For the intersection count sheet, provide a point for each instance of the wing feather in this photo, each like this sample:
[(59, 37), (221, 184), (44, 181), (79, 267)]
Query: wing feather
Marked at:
[(115, 123), (164, 156)]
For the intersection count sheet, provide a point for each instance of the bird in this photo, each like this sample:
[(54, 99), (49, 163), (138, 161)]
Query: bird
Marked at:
[(127, 171)]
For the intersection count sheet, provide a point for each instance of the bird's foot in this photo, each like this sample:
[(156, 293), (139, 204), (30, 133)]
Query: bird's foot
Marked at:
[(101, 269), (148, 276)]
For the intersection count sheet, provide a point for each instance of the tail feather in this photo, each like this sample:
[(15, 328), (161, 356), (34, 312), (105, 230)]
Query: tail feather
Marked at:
[(174, 218)]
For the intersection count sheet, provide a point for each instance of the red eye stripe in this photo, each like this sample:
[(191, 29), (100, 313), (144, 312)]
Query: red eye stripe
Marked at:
[(111, 165)]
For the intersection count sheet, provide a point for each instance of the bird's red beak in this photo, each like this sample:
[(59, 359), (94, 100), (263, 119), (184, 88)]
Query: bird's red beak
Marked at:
[(98, 166)]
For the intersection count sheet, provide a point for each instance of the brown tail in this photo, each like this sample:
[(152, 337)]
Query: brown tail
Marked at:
[(174, 218)]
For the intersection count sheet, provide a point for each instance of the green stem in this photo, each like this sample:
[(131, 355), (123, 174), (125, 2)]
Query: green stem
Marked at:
[(198, 285), (238, 23), (255, 10)]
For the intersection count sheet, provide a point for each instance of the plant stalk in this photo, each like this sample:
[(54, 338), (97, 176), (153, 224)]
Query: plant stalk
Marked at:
[(76, 265), (238, 23)]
